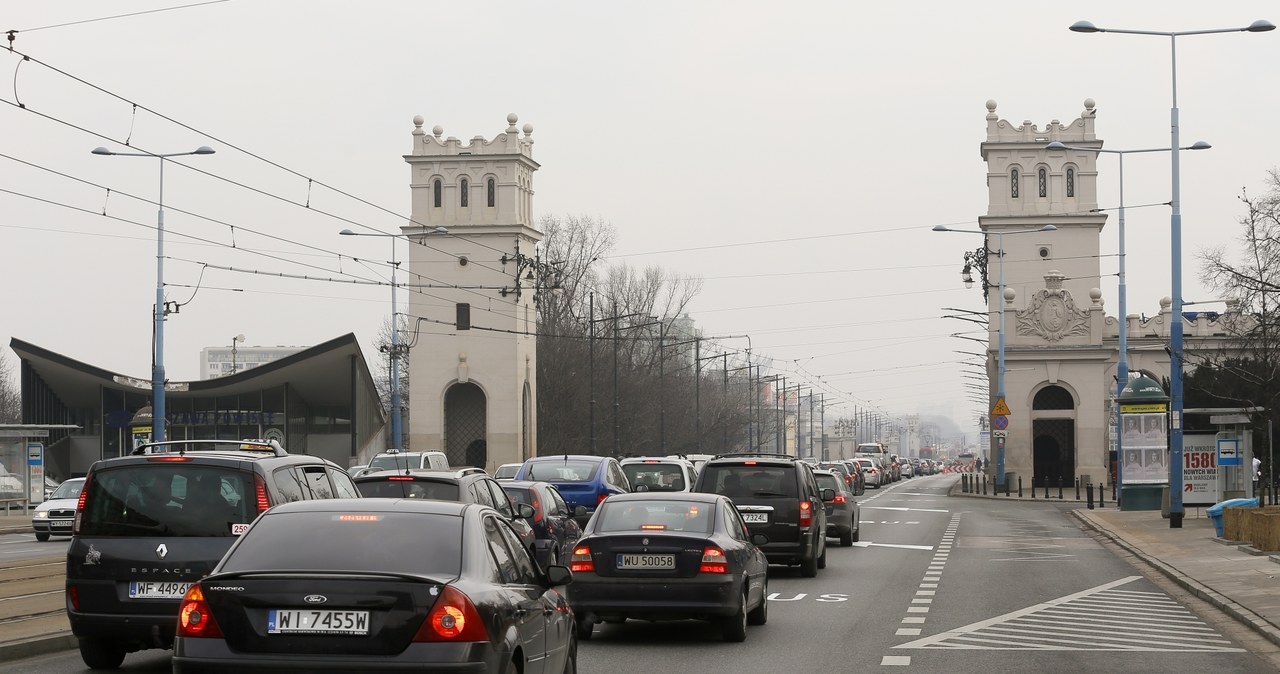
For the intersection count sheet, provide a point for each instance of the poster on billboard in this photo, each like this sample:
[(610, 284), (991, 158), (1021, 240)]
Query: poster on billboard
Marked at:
[(1145, 440), (1200, 485)]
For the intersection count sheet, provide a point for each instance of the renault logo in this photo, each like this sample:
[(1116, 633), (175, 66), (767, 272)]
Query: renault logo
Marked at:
[(315, 599), (162, 551)]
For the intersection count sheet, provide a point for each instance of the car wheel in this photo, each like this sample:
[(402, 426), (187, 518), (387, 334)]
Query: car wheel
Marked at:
[(857, 533), (760, 614), (571, 658), (809, 567), (822, 558), (585, 628), (846, 539), (101, 654), (734, 627), (42, 537)]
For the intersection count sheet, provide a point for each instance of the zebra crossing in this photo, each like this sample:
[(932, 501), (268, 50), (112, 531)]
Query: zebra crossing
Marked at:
[(1104, 618)]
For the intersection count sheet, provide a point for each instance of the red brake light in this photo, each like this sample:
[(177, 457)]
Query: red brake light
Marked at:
[(806, 513), (600, 498), (453, 618), (713, 561), (581, 560), (748, 463), (401, 478), (84, 495), (260, 488), (653, 527), (651, 461), (170, 458), (839, 498), (194, 617), (848, 479), (73, 595), (537, 511)]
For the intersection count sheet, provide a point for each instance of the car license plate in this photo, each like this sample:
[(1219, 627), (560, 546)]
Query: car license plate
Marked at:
[(755, 518), (308, 621), (60, 524), (140, 589), (646, 561)]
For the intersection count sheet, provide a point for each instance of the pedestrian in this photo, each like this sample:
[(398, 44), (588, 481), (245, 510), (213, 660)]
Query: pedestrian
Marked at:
[(1257, 474)]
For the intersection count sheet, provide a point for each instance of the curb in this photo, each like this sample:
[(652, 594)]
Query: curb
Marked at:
[(1244, 616), (17, 650)]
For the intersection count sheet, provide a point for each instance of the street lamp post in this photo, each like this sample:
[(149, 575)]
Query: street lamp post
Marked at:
[(157, 345), (1175, 251), (235, 340), (1122, 366), (397, 424), (999, 477)]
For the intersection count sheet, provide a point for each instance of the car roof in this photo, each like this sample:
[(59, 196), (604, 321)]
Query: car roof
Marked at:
[(655, 459), (377, 505), (823, 471), (425, 473), (524, 484), (565, 457), (691, 496)]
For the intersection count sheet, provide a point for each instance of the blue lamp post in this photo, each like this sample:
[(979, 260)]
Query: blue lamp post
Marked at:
[(1000, 330), (1175, 251), (157, 344)]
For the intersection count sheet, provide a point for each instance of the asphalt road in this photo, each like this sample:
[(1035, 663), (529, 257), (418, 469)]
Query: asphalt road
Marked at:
[(17, 547), (936, 584)]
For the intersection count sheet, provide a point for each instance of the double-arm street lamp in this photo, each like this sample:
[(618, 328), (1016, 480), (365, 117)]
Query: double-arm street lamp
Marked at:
[(1000, 330), (1175, 251), (157, 342), (1122, 366), (397, 425)]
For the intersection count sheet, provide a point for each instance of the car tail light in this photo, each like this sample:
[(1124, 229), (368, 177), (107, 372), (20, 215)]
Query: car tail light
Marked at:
[(581, 560), (73, 596), (848, 479), (713, 561), (806, 513), (84, 496), (194, 617), (600, 498), (173, 459), (453, 618), (264, 502), (401, 478), (537, 511), (839, 499)]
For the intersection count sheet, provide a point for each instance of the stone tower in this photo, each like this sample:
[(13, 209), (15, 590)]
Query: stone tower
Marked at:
[(472, 391), (1056, 362)]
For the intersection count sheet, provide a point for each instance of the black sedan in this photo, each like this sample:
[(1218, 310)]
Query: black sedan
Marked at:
[(553, 523), (669, 556), (377, 584)]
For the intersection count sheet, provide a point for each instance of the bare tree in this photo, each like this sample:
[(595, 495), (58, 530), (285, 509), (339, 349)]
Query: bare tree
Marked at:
[(382, 373), (10, 394)]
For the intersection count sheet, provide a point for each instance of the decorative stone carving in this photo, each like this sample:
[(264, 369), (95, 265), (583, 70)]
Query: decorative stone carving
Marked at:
[(1052, 313)]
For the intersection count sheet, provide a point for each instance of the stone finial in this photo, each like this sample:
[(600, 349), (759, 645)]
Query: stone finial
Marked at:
[(1095, 294), (991, 109), (437, 131), (512, 118), (1088, 108), (1009, 295), (1165, 303), (417, 125), (1053, 280)]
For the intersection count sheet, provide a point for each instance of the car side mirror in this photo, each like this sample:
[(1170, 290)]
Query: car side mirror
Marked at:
[(759, 539), (525, 510), (828, 494), (559, 575), (580, 511)]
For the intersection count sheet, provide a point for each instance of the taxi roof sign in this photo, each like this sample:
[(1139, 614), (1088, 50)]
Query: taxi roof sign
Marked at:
[(1001, 408)]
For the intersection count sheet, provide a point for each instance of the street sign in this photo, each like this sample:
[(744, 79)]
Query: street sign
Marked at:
[(999, 434), (999, 422), (1228, 452), (1001, 408)]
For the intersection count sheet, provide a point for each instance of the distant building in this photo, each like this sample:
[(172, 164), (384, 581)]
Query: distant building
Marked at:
[(220, 361)]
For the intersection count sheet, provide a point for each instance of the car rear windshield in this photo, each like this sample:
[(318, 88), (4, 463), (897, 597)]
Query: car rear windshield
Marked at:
[(743, 480), (655, 516), (168, 499), (396, 486), (393, 461), (417, 543), (837, 467), (506, 471), (519, 494), (866, 463), (557, 470), (655, 476), (828, 482)]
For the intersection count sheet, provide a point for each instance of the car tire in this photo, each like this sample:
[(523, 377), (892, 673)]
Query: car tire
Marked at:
[(571, 660), (41, 536), (809, 567), (856, 535), (760, 614), (101, 654), (846, 539), (734, 627), (822, 558), (584, 628)]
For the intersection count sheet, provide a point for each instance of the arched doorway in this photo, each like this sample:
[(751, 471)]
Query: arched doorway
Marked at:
[(465, 421), (1053, 437)]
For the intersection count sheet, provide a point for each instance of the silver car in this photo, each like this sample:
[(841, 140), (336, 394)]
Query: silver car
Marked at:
[(55, 516), (872, 473)]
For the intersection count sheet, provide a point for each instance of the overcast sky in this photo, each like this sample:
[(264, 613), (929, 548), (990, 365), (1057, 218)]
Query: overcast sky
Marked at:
[(794, 155)]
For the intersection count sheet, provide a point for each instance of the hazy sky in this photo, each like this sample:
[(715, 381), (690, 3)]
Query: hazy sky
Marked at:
[(795, 155)]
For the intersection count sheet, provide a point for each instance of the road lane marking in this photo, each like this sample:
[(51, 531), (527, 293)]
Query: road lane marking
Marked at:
[(895, 661), (907, 632), (904, 508), (867, 544)]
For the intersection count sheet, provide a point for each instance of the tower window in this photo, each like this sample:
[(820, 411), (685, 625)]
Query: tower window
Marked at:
[(1071, 182), (492, 196), (1043, 179), (438, 193), (466, 196), (1013, 183)]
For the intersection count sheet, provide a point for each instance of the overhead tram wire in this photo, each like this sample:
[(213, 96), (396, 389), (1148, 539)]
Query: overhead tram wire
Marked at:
[(108, 18)]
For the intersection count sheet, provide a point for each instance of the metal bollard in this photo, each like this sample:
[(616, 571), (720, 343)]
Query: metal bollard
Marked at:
[(1059, 487), (1100, 499), (1113, 492), (1033, 487), (1077, 488), (1019, 486), (1046, 486), (984, 485), (1006, 486)]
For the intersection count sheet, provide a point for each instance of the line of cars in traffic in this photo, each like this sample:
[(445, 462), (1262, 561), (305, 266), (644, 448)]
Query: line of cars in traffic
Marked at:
[(239, 554)]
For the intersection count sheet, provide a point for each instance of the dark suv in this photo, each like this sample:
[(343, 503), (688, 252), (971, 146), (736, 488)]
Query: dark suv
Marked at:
[(462, 485), (779, 497), (149, 524)]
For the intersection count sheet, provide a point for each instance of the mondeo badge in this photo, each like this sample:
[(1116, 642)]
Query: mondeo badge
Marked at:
[(315, 599), (162, 551)]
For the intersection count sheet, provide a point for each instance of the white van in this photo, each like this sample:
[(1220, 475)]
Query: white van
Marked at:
[(397, 460)]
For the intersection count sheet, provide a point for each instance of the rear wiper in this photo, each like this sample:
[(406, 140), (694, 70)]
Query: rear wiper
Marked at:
[(767, 493)]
